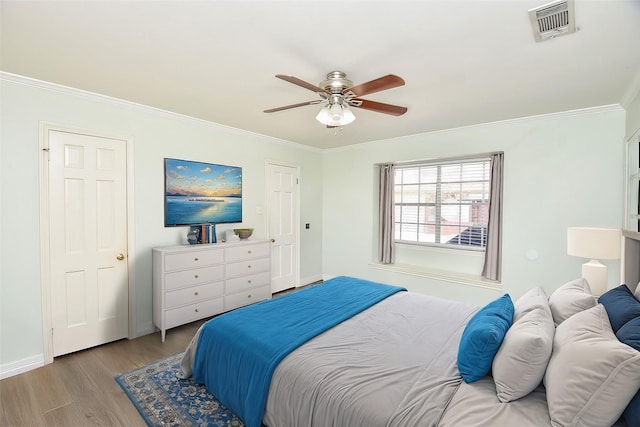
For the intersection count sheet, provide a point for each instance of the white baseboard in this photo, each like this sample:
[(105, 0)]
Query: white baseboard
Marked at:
[(146, 329), (20, 366), (304, 281)]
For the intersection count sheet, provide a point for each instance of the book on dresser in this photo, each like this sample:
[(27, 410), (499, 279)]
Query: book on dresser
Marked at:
[(192, 282)]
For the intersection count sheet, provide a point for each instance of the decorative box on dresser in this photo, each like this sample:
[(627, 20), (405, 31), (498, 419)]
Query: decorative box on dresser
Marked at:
[(192, 282)]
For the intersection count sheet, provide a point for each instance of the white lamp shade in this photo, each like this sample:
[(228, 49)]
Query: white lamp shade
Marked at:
[(347, 116), (324, 117), (335, 115), (594, 243)]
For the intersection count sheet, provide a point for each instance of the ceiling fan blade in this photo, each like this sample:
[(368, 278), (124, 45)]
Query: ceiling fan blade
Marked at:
[(286, 107), (301, 83), (382, 83), (378, 107)]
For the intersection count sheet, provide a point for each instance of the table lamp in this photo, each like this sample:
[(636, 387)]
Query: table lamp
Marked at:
[(594, 244)]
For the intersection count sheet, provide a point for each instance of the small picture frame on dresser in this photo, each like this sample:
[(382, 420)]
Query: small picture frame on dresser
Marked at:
[(193, 236)]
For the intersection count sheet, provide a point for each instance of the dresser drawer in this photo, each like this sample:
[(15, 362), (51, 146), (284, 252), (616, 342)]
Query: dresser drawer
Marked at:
[(195, 259), (196, 276), (190, 313), (247, 267), (193, 294), (243, 252), (246, 282), (247, 297)]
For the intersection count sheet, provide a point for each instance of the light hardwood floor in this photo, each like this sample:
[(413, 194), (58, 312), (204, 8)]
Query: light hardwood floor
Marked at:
[(79, 389)]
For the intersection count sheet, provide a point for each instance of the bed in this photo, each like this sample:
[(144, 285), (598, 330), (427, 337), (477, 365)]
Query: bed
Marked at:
[(397, 358)]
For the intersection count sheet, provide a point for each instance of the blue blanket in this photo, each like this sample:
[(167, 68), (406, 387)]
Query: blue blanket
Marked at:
[(238, 352)]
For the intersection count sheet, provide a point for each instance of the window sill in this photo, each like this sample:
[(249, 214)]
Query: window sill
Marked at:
[(442, 248), (443, 275)]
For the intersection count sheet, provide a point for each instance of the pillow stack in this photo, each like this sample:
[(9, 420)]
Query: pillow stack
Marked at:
[(586, 354), (623, 312)]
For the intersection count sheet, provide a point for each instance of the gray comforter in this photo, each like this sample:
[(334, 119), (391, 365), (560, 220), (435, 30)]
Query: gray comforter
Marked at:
[(394, 364), (383, 367)]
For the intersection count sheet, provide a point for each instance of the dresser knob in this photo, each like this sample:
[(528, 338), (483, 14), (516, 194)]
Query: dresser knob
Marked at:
[(248, 266), (196, 310), (195, 259), (249, 296), (248, 252), (195, 293), (249, 281), (196, 276)]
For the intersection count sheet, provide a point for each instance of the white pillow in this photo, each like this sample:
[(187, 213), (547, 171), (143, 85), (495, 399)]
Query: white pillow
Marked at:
[(569, 299), (534, 299), (591, 376), (519, 365)]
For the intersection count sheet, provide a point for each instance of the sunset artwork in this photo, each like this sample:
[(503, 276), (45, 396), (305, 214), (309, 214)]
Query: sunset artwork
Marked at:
[(201, 193)]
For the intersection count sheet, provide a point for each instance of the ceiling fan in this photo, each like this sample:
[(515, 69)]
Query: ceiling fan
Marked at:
[(339, 93)]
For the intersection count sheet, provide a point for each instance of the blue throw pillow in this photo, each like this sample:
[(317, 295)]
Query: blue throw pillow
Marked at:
[(621, 306), (630, 333), (482, 338)]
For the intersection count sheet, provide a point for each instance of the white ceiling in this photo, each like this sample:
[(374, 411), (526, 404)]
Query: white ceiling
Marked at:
[(464, 61)]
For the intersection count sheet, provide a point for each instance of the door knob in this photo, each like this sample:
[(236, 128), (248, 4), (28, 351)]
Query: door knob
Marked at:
[(120, 257)]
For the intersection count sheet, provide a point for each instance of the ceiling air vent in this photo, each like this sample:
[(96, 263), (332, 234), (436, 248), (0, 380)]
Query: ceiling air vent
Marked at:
[(553, 19)]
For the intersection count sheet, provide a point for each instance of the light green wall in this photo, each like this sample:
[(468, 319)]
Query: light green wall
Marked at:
[(560, 170), (156, 135)]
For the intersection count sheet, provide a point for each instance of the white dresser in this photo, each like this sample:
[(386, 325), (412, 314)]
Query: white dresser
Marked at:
[(192, 282)]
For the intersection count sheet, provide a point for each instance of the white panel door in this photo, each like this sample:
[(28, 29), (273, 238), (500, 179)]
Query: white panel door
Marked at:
[(87, 240), (283, 220)]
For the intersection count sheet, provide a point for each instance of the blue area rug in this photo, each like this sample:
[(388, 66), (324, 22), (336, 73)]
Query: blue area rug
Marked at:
[(163, 399)]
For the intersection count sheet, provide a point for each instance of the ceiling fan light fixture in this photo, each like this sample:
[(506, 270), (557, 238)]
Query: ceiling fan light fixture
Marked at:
[(335, 114)]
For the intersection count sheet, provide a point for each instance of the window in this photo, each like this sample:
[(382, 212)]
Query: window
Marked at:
[(443, 203)]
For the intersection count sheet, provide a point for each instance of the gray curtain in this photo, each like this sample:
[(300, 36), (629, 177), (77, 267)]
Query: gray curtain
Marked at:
[(493, 255), (387, 218)]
